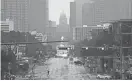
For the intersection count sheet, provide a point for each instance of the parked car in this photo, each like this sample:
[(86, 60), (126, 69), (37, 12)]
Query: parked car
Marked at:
[(104, 76)]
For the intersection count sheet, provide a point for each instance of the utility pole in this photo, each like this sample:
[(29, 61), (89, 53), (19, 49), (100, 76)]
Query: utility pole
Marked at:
[(121, 53), (26, 34)]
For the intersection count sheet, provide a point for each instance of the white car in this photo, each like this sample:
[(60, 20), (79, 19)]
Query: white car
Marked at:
[(103, 76)]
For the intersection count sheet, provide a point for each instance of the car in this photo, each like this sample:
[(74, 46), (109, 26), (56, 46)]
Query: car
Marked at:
[(104, 76), (78, 62)]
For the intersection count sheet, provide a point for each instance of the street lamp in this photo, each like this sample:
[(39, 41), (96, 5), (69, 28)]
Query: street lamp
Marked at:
[(9, 67)]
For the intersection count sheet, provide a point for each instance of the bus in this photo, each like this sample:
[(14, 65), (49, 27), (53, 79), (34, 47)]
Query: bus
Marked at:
[(62, 51)]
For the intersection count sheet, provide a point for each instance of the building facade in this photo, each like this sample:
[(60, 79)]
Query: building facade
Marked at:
[(39, 15), (7, 26), (76, 15), (52, 24), (72, 21), (79, 4), (81, 33), (122, 32), (105, 10), (72, 14), (16, 11), (51, 33)]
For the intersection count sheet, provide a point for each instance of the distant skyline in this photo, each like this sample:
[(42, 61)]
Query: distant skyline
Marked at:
[(56, 7)]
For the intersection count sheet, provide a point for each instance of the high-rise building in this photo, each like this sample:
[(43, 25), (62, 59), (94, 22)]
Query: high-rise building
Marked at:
[(79, 4), (72, 21), (76, 14), (105, 10), (16, 11), (72, 14), (39, 15)]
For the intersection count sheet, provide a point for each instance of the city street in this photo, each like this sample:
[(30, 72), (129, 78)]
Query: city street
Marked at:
[(61, 69), (66, 39)]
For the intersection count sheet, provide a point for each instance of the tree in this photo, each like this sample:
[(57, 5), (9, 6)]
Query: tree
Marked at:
[(12, 36), (6, 58), (32, 48)]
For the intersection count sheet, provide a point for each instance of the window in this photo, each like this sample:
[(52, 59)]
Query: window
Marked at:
[(125, 28)]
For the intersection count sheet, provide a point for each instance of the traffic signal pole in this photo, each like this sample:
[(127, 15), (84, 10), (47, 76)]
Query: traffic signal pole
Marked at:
[(31, 42)]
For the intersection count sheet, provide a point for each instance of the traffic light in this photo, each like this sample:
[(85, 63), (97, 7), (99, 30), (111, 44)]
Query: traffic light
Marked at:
[(86, 48), (86, 51), (101, 48), (106, 47)]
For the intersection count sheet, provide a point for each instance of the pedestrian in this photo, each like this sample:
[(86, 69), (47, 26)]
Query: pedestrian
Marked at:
[(48, 72)]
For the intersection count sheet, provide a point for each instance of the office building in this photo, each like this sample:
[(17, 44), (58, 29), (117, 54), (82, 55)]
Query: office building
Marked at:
[(39, 15), (7, 26), (81, 33), (16, 11), (105, 10), (72, 21), (76, 14), (72, 14), (79, 5), (52, 24)]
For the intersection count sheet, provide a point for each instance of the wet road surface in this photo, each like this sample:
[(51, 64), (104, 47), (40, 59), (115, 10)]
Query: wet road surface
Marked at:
[(61, 69)]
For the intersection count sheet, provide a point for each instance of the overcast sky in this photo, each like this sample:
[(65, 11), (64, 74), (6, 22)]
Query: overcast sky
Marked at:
[(56, 7)]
